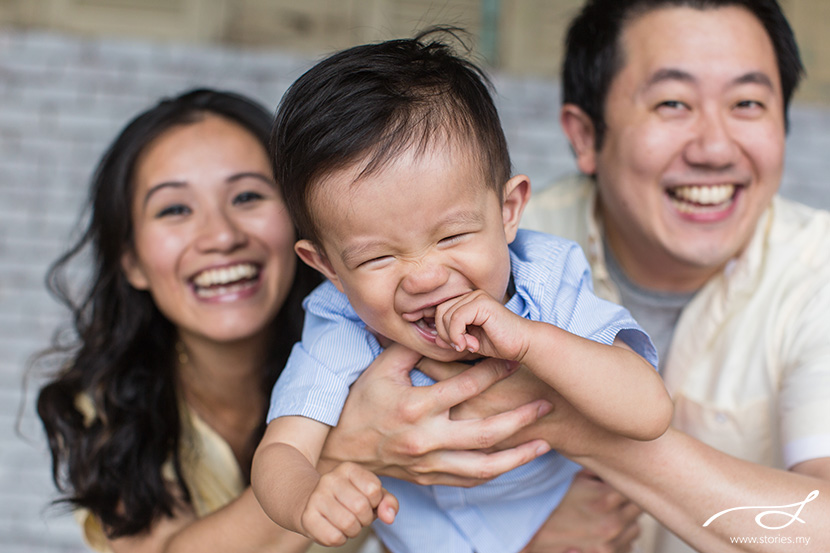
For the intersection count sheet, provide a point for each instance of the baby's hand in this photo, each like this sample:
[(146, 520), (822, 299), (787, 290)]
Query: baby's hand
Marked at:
[(476, 322), (344, 501)]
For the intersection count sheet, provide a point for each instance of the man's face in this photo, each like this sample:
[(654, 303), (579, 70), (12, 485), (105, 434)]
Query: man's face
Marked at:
[(694, 146)]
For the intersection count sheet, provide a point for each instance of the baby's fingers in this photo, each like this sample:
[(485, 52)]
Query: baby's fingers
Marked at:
[(451, 322), (387, 508)]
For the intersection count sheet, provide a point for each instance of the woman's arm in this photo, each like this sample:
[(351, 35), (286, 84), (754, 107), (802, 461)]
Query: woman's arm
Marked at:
[(240, 526)]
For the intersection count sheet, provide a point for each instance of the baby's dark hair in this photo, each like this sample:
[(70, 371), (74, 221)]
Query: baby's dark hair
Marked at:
[(373, 102)]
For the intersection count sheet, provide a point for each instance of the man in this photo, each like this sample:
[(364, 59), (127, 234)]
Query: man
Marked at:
[(676, 112)]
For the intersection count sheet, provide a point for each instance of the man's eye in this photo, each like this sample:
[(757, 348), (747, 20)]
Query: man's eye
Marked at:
[(672, 104), (749, 104), (173, 210)]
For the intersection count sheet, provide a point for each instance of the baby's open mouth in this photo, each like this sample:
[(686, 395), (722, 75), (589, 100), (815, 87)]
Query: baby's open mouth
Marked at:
[(427, 324), (225, 280)]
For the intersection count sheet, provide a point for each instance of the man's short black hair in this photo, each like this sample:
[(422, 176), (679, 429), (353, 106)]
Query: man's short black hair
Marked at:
[(594, 55), (371, 103)]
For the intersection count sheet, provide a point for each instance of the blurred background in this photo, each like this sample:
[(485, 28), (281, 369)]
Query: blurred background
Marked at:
[(73, 71)]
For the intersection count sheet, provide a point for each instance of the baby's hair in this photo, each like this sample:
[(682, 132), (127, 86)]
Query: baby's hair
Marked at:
[(372, 103)]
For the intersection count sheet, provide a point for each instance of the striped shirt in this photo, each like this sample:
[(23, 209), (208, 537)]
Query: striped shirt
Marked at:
[(552, 284)]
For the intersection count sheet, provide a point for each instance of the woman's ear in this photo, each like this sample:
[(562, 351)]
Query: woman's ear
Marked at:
[(313, 256), (580, 131), (133, 271), (516, 196)]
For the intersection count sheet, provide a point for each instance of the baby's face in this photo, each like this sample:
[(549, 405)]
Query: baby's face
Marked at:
[(421, 230)]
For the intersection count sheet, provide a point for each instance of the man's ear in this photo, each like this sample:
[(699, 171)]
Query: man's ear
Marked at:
[(516, 196), (580, 131), (133, 271), (313, 256)]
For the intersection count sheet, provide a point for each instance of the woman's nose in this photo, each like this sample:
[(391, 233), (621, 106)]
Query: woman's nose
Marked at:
[(220, 233)]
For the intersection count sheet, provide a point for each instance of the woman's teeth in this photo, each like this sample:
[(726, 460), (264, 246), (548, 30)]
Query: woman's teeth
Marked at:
[(695, 199), (225, 275), (225, 280)]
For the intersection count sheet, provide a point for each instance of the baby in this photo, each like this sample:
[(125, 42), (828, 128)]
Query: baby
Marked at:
[(395, 169)]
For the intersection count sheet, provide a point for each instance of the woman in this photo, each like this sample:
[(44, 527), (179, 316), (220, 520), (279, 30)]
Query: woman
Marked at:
[(193, 307)]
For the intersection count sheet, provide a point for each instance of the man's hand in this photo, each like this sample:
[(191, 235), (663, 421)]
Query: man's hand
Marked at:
[(592, 518), (395, 429)]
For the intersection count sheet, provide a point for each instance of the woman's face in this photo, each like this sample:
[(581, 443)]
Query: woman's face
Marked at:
[(213, 240)]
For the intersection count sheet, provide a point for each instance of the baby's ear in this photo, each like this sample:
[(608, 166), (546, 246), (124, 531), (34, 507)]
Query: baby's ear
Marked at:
[(516, 196), (315, 257)]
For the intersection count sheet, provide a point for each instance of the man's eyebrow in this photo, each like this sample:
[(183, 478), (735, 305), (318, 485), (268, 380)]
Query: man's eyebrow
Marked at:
[(754, 77), (673, 74), (669, 74)]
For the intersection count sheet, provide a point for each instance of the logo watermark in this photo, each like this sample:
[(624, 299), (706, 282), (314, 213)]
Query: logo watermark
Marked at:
[(771, 510)]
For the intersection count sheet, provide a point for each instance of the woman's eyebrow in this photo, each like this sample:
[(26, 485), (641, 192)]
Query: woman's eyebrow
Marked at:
[(162, 186)]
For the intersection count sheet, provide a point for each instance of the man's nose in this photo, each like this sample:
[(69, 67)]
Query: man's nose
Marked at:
[(426, 275), (219, 233), (712, 145)]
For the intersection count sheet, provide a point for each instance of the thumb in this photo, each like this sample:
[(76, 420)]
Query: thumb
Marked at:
[(395, 362), (387, 508)]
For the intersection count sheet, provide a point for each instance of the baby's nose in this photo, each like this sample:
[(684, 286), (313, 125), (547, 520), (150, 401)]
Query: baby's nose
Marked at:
[(425, 278)]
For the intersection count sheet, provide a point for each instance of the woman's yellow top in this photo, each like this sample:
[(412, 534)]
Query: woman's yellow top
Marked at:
[(210, 471)]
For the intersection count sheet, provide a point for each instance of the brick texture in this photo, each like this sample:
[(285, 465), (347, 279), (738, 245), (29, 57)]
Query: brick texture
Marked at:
[(62, 99)]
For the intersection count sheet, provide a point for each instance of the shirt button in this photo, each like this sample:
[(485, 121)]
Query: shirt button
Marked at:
[(720, 418)]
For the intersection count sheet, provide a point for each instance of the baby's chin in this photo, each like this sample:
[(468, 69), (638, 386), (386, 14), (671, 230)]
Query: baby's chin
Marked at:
[(430, 350), (446, 355)]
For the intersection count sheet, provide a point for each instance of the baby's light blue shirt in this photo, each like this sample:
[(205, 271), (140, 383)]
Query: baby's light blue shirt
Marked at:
[(552, 283)]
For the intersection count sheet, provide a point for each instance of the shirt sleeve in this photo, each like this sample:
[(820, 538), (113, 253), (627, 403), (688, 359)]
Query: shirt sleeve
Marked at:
[(804, 400), (572, 305), (335, 349)]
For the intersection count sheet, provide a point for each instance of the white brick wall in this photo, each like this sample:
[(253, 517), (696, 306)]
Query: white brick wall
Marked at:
[(61, 101)]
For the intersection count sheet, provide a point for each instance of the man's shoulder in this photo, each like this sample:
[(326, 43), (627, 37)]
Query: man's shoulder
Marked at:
[(562, 208), (801, 228)]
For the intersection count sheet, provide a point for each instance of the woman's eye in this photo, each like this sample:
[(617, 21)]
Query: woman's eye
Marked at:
[(246, 197), (173, 210)]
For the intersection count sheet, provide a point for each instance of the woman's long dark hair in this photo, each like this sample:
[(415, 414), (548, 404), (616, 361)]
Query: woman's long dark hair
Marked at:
[(121, 355)]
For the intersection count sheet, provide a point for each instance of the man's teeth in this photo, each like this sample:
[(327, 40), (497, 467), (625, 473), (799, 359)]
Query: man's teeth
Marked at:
[(705, 195), (225, 275)]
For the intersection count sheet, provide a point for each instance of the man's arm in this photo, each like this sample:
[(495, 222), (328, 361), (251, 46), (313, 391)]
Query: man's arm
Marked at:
[(679, 480), (683, 483)]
